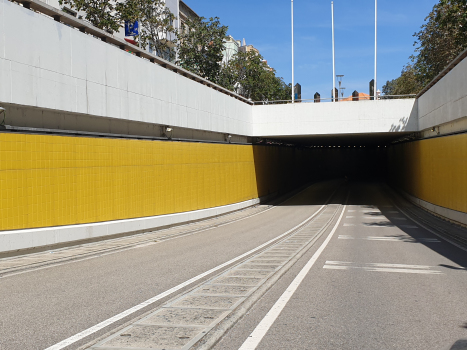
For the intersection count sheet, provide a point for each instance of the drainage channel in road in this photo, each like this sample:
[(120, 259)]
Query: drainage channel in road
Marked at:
[(29, 262), (186, 321)]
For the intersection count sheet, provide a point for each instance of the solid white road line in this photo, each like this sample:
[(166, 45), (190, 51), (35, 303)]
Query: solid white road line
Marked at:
[(98, 327), (262, 328)]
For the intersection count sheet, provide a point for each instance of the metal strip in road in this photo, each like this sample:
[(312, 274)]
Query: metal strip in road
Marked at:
[(262, 328), (73, 339), (177, 325)]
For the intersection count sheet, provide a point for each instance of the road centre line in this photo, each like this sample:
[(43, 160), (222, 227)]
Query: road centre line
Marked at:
[(262, 328), (79, 336)]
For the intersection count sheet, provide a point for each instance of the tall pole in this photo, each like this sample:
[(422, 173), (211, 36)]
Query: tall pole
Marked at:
[(376, 48), (293, 67), (333, 55)]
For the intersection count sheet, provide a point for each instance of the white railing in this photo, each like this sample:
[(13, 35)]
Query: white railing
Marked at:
[(341, 99)]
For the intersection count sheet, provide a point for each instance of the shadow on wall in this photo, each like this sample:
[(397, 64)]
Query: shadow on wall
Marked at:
[(409, 123)]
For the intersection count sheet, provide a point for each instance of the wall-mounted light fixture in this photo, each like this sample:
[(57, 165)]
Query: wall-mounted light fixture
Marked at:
[(2, 116), (166, 131)]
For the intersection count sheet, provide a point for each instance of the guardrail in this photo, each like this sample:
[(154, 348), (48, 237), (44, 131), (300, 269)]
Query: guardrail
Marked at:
[(85, 27), (341, 99)]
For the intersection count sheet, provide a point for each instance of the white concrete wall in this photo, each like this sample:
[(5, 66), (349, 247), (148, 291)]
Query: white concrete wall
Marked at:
[(351, 117), (446, 101), (46, 64)]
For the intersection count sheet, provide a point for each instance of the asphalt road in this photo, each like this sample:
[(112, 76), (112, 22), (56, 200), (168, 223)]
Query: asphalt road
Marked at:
[(41, 308), (382, 282)]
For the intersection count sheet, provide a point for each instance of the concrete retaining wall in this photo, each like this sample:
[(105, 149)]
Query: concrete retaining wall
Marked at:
[(446, 101), (49, 65)]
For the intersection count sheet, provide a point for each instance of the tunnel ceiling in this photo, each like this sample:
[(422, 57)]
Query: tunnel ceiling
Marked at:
[(373, 139)]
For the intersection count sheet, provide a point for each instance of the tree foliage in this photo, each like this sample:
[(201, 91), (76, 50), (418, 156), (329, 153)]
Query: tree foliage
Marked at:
[(156, 29), (406, 84), (441, 39), (249, 75), (200, 46), (100, 13)]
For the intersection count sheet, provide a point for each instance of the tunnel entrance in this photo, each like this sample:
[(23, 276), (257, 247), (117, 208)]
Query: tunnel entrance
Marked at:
[(351, 156)]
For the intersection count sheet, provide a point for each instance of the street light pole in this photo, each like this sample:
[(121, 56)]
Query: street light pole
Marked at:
[(293, 68), (333, 56), (376, 48)]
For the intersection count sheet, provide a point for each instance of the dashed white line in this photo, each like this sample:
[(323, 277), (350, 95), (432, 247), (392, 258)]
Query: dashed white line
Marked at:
[(392, 239), (381, 267)]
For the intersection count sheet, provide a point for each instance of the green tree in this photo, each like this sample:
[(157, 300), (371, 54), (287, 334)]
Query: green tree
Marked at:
[(406, 84), (441, 39), (156, 29), (200, 46), (100, 13), (249, 75)]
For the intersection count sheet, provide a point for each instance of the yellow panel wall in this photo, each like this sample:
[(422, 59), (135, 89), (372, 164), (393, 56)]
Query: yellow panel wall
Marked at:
[(57, 180), (434, 170)]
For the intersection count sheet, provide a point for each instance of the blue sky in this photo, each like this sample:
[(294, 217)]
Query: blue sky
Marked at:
[(266, 25)]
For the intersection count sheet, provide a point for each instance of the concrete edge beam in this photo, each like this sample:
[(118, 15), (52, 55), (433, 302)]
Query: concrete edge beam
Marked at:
[(48, 236), (450, 214)]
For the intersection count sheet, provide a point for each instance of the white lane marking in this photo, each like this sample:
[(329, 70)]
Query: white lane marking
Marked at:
[(392, 239), (349, 217), (77, 337), (382, 269), (404, 266), (351, 211), (347, 225), (262, 328)]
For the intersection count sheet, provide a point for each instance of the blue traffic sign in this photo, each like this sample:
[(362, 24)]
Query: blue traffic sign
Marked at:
[(131, 28)]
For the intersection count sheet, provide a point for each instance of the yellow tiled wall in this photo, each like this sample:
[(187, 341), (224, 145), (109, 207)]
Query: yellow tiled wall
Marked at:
[(434, 170), (58, 180)]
